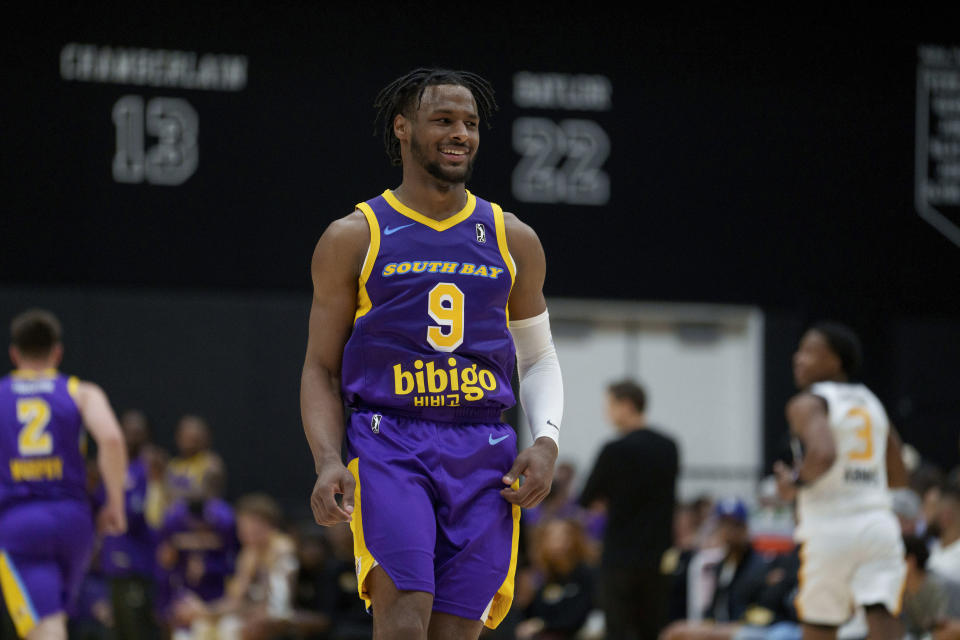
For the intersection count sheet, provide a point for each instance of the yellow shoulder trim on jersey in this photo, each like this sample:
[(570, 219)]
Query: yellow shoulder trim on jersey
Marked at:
[(436, 225), (73, 384), (16, 597), (504, 249), (364, 304)]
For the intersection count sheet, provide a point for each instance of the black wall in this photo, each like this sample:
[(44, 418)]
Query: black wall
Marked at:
[(756, 157)]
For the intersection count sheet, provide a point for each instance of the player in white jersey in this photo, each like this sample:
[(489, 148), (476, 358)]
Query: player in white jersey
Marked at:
[(847, 456)]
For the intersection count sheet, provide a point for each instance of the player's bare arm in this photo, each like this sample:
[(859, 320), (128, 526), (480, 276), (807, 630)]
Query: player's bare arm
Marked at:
[(897, 474), (536, 463), (100, 421), (810, 423), (335, 268)]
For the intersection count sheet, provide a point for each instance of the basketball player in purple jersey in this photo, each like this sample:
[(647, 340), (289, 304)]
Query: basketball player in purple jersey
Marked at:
[(425, 298), (46, 528)]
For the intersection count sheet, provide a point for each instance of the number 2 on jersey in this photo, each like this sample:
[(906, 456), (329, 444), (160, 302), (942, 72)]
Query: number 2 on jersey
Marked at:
[(864, 434), (445, 306), (34, 415)]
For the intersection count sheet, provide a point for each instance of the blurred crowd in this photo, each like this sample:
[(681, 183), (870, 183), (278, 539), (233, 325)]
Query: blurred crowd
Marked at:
[(732, 568), (193, 565)]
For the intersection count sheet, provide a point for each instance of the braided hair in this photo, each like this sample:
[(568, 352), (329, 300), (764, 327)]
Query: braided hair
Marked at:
[(399, 96)]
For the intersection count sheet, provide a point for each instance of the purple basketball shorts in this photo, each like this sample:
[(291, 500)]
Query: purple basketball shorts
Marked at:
[(428, 510), (45, 546)]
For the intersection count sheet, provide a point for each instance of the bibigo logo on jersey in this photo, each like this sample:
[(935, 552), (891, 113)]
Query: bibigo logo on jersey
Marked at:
[(469, 383)]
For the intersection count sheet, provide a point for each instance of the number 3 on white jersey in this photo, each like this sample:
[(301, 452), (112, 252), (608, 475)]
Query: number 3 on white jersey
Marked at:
[(445, 306), (34, 415), (863, 434)]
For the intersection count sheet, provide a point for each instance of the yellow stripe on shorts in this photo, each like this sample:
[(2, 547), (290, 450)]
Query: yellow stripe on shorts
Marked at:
[(16, 597), (503, 599), (364, 560)]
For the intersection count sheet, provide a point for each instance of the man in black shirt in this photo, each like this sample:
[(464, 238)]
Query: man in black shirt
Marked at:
[(635, 479)]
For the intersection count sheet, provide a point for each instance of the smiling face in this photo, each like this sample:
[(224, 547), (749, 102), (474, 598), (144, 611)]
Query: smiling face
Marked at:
[(442, 135)]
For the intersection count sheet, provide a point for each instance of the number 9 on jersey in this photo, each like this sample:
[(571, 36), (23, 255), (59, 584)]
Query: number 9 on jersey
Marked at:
[(445, 306)]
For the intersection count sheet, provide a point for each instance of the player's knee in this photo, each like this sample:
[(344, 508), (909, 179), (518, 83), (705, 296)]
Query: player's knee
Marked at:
[(399, 624)]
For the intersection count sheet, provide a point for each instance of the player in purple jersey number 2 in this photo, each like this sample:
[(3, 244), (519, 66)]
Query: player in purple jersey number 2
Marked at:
[(46, 528), (441, 495)]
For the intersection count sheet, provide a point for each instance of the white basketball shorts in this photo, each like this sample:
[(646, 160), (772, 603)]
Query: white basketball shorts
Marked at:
[(849, 561)]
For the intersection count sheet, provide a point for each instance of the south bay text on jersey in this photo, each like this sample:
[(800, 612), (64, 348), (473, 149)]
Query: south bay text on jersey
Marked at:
[(430, 337), (436, 266)]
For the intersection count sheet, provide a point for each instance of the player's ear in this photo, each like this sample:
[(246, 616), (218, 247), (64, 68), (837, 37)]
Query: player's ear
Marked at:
[(57, 354), (14, 356), (401, 127)]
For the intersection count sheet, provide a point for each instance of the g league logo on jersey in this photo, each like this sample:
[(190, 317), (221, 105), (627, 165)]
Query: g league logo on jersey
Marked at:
[(481, 233)]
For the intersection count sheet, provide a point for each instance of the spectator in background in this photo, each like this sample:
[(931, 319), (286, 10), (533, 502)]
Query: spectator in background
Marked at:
[(945, 553), (195, 459), (924, 597), (349, 619), (634, 479), (564, 600), (155, 460), (751, 592), (741, 571), (907, 508), (705, 521), (197, 549), (676, 560), (926, 480), (258, 602), (310, 583), (128, 560)]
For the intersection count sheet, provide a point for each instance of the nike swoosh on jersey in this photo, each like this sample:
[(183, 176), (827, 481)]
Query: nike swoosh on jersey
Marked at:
[(552, 425), (389, 231), (493, 440)]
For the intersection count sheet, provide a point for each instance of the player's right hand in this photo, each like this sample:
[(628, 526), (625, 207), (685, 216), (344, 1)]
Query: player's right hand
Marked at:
[(786, 484), (333, 479), (112, 519)]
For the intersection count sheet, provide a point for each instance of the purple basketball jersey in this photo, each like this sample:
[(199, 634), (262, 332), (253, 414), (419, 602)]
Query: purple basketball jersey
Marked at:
[(133, 552), (430, 337), (41, 438)]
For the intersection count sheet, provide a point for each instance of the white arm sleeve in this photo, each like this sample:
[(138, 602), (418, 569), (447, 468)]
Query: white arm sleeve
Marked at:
[(541, 386)]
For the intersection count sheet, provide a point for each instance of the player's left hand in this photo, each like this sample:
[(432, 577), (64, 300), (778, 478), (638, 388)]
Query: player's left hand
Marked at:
[(535, 464)]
